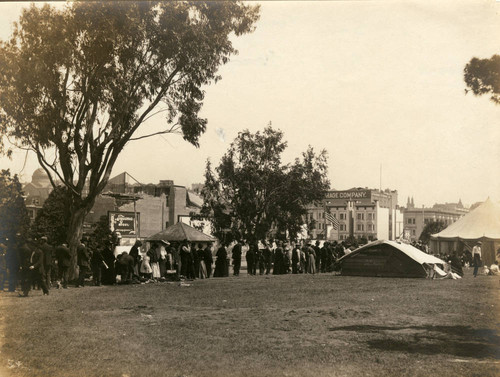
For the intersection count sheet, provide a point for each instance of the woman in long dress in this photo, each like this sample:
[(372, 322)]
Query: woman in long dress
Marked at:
[(146, 269), (221, 262), (153, 260), (311, 261), (202, 272)]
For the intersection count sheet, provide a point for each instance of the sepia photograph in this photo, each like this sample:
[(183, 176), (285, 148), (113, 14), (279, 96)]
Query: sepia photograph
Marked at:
[(249, 188)]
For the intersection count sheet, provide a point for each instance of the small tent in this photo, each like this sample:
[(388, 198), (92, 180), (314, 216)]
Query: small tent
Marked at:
[(179, 232), (387, 259), (481, 224)]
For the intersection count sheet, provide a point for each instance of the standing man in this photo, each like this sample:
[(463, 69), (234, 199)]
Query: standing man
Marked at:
[(236, 258), (134, 253), (64, 262), (295, 259), (36, 267), (317, 252), (209, 259), (267, 255), (24, 261), (476, 255), (48, 252), (97, 262), (83, 258), (250, 258)]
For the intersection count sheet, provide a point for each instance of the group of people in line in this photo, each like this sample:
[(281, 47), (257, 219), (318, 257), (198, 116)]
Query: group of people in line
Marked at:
[(287, 257), (37, 264)]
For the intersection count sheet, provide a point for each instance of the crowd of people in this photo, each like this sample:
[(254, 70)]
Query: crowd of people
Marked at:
[(39, 265)]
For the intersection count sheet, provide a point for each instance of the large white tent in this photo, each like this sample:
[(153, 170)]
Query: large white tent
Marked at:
[(481, 224)]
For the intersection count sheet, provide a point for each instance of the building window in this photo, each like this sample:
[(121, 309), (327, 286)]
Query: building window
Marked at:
[(342, 227), (342, 216), (361, 227), (411, 220), (361, 216), (371, 216)]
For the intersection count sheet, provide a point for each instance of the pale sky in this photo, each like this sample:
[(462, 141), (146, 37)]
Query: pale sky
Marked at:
[(373, 82)]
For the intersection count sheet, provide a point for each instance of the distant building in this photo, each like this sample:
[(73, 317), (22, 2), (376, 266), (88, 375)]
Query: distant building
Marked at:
[(415, 219), (158, 205), (37, 192), (197, 187), (360, 212)]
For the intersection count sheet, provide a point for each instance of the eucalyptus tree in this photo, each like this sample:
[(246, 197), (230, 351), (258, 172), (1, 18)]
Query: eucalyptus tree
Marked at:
[(77, 83)]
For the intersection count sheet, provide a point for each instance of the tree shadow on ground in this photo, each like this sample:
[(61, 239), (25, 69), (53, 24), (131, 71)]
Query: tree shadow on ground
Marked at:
[(460, 341)]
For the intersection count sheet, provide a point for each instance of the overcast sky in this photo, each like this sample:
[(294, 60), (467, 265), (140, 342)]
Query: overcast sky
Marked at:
[(375, 83)]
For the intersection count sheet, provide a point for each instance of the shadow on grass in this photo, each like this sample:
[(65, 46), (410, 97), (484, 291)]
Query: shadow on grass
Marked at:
[(460, 341)]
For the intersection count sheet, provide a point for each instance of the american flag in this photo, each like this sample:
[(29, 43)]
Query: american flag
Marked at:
[(333, 220)]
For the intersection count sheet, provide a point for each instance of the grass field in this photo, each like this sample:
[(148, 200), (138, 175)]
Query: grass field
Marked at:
[(292, 325)]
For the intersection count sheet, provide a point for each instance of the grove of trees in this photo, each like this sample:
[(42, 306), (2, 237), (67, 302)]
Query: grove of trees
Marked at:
[(252, 193), (77, 83)]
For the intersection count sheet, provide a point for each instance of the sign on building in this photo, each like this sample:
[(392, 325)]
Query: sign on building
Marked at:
[(123, 223), (350, 195)]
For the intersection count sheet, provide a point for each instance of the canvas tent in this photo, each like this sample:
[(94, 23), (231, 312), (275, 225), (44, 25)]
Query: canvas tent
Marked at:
[(387, 259), (179, 232), (481, 224)]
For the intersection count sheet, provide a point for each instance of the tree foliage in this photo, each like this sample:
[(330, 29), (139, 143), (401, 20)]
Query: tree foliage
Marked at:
[(482, 76), (251, 192), (76, 84), (13, 213), (102, 237), (431, 228), (52, 221)]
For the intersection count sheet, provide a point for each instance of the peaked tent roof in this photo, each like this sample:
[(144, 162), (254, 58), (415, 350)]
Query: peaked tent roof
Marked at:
[(181, 232), (482, 222), (414, 253)]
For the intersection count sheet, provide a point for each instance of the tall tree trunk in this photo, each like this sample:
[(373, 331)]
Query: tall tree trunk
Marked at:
[(75, 232)]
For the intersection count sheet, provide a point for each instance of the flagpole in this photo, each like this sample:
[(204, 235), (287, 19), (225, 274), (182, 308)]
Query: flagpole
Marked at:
[(324, 220)]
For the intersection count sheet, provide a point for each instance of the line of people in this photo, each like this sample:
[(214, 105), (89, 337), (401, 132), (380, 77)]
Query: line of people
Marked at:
[(39, 264), (287, 257)]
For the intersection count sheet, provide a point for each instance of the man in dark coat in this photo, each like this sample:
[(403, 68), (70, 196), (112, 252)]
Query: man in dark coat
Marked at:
[(278, 268), (208, 258), (267, 255), (250, 258), (48, 252), (317, 252), (36, 267), (24, 267), (325, 250), (83, 260), (237, 258), (63, 262), (97, 263), (295, 259), (134, 253)]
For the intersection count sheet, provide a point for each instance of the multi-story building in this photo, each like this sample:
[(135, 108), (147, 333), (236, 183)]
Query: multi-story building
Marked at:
[(415, 218), (360, 212), (36, 192)]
